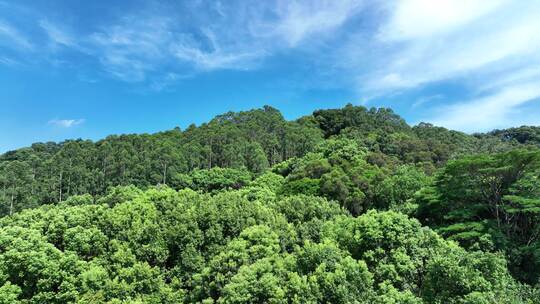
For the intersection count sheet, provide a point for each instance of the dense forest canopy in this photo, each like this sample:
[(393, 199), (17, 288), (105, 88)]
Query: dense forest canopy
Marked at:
[(347, 205)]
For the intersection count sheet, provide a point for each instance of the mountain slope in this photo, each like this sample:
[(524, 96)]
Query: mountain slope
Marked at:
[(253, 140)]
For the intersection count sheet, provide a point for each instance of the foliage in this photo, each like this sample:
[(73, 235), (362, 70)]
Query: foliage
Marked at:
[(490, 202), (167, 246), (251, 208)]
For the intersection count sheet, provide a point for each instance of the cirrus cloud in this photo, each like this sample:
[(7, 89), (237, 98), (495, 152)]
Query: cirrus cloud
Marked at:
[(66, 123), (377, 49)]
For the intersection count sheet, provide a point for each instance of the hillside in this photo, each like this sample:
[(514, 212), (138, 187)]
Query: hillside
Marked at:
[(347, 205), (252, 141)]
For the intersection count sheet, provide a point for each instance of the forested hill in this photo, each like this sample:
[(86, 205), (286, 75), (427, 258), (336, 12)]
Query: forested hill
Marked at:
[(250, 142), (347, 205)]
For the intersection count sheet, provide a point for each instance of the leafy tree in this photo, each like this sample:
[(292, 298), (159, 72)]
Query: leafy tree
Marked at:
[(338, 171), (252, 208), (408, 260), (214, 179), (254, 140), (395, 190), (17, 177), (489, 202)]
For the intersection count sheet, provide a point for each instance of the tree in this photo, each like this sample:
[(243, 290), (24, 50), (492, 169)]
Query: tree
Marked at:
[(489, 202), (400, 186), (17, 177)]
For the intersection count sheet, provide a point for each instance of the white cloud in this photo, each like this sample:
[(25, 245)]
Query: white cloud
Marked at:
[(8, 61), (238, 36), (298, 20), (167, 82), (14, 37), (137, 46), (413, 19), (66, 123), (132, 48), (124, 67), (497, 110), (158, 39), (504, 37), (215, 59), (490, 48), (514, 77), (56, 35), (214, 56), (426, 99)]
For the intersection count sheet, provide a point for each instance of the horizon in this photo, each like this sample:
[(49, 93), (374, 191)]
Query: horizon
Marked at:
[(73, 69)]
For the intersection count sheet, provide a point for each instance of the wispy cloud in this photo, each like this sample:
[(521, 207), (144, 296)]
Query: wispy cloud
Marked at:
[(491, 48), (420, 19), (8, 61), (380, 49), (133, 47), (447, 39), (498, 110), (167, 82), (426, 99), (237, 36), (209, 52), (298, 20), (158, 39), (13, 36), (66, 123), (57, 35), (216, 59)]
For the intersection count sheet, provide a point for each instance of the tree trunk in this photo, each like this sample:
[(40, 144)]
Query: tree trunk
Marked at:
[(104, 164), (165, 174), (69, 177), (123, 173), (11, 204), (33, 180), (210, 164), (60, 188)]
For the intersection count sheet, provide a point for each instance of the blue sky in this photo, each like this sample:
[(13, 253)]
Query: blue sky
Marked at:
[(87, 69)]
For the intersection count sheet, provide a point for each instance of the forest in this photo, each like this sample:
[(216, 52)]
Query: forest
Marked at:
[(348, 205)]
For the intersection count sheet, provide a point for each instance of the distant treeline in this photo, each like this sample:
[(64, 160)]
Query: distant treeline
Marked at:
[(254, 140)]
